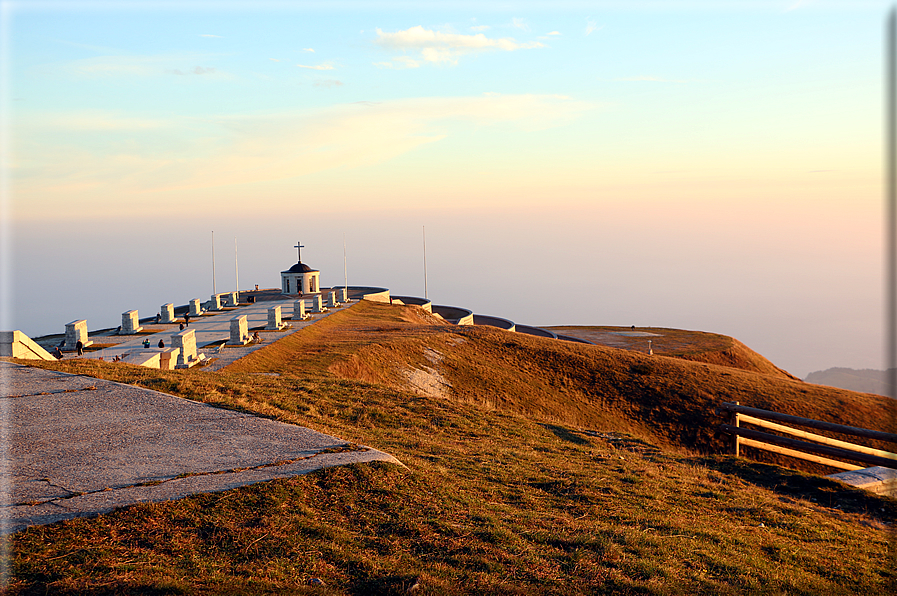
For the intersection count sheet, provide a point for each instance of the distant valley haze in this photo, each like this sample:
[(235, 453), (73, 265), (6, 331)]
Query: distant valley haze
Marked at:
[(704, 167)]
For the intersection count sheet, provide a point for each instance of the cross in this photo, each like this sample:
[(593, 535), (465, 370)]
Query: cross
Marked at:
[(300, 247)]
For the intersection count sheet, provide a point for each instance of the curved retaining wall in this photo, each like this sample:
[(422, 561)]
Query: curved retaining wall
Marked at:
[(425, 304), (453, 314), (371, 293), (536, 331), (493, 322), (575, 339)]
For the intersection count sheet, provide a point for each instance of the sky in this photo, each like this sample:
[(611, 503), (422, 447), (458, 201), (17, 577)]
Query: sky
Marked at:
[(714, 166)]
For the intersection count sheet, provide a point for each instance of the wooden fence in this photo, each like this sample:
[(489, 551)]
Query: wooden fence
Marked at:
[(821, 445)]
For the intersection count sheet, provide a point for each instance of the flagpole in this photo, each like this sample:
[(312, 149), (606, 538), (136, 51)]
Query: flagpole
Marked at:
[(236, 265), (214, 287), (426, 293)]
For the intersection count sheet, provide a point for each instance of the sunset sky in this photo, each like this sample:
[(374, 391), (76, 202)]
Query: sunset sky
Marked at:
[(706, 165)]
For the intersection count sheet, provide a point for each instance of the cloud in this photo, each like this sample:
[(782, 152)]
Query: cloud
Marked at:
[(134, 66), (592, 26), (554, 33), (518, 23), (437, 47), (199, 70), (273, 59), (312, 50), (129, 156), (209, 35), (399, 63), (651, 79), (328, 83), (316, 67), (479, 28)]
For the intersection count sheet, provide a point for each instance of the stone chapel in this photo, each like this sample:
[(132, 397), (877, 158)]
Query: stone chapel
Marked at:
[(300, 278)]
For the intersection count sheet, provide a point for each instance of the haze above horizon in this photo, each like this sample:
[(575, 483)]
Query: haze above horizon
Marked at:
[(708, 166)]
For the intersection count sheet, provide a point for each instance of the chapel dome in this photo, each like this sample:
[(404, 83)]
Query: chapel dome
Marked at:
[(300, 268)]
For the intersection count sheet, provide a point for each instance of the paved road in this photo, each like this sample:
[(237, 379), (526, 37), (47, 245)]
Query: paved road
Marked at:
[(79, 446)]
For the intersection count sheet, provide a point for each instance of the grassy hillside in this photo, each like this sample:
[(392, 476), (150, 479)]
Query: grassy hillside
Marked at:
[(533, 466)]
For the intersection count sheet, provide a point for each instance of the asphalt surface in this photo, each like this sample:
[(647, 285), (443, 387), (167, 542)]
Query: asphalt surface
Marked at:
[(78, 446)]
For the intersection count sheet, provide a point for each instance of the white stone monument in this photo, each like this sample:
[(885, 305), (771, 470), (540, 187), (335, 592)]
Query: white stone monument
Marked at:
[(195, 308), (74, 332), (231, 299), (331, 297), (216, 302), (239, 331), (299, 310), (168, 313), (185, 341), (343, 294), (130, 323), (274, 319), (317, 304)]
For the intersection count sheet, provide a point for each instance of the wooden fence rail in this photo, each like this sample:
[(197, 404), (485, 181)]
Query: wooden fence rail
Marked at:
[(821, 445)]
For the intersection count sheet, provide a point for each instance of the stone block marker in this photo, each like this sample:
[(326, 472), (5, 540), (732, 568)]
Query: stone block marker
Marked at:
[(130, 323), (231, 299), (15, 344), (331, 297), (299, 310), (195, 308), (167, 313), (317, 305), (274, 320), (74, 332), (239, 331), (185, 342), (168, 358), (343, 294), (215, 302)]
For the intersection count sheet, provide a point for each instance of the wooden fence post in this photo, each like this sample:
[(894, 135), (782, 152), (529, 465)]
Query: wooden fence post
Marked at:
[(735, 422)]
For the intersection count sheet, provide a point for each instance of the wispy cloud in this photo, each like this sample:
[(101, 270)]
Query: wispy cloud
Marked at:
[(135, 66), (274, 59), (312, 50), (651, 79), (209, 35), (328, 83), (247, 148), (592, 26), (399, 63), (519, 23), (479, 28), (316, 66), (437, 47), (555, 33), (199, 70)]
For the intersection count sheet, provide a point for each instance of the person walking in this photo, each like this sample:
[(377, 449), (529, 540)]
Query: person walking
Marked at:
[(161, 344), (79, 348), (187, 320)]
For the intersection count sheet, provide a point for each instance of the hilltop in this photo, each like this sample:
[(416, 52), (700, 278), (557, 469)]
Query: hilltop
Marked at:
[(533, 465), (866, 380)]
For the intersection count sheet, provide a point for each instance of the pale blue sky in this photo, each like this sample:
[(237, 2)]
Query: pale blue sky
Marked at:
[(709, 165)]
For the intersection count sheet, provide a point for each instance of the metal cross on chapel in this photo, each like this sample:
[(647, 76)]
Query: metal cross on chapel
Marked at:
[(299, 247)]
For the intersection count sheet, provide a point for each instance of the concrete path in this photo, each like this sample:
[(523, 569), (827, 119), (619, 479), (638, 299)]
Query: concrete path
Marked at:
[(79, 446)]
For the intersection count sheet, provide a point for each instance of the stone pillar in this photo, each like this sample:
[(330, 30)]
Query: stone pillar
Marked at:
[(195, 308), (231, 299), (343, 294), (185, 341), (168, 313), (130, 323), (74, 332), (298, 310), (331, 299), (216, 302), (274, 320), (316, 304), (239, 331)]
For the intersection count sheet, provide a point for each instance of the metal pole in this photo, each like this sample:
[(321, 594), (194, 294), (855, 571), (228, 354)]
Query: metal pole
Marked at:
[(891, 209), (345, 268), (426, 293), (214, 287), (236, 266)]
